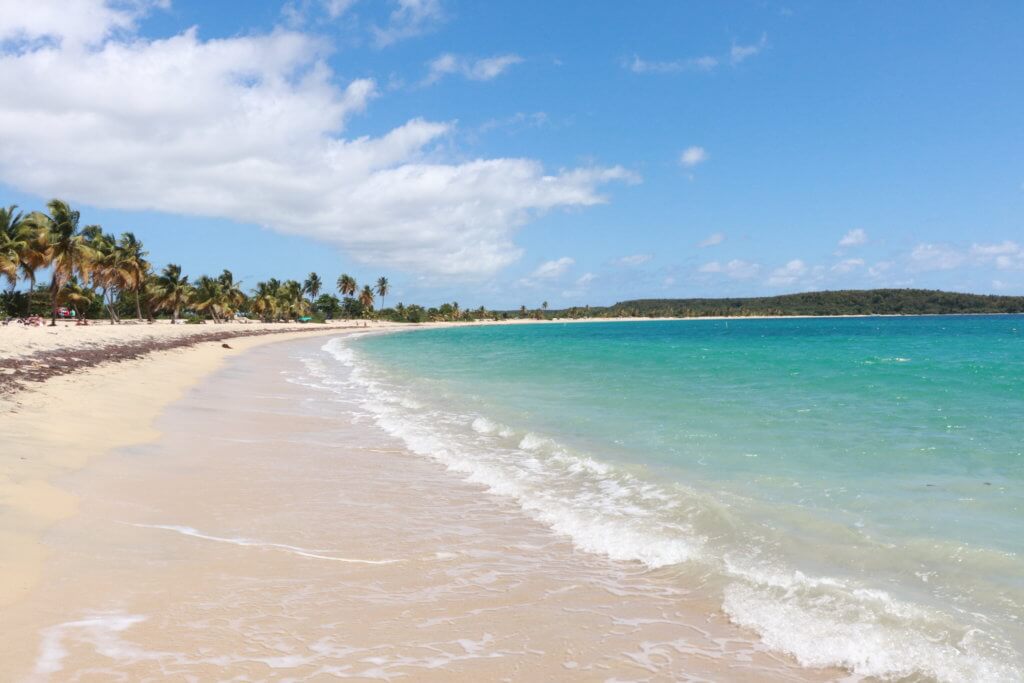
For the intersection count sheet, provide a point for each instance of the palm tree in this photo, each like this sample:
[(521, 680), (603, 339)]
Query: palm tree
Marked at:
[(544, 305), (209, 297), (14, 240), (382, 289), (113, 271), (23, 245), (290, 295), (522, 311), (264, 300), (234, 297), (135, 266), (347, 285), (366, 298), (312, 286), (173, 290), (67, 250)]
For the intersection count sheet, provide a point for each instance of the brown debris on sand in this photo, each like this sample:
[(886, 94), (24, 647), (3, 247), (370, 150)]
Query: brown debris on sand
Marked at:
[(16, 373)]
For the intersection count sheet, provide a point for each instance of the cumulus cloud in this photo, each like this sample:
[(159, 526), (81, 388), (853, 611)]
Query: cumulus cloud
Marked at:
[(70, 24), (552, 269), (935, 257), (473, 69), (410, 18), (736, 269), (1004, 256), (854, 238), (711, 240), (633, 260), (692, 156), (788, 274), (251, 129)]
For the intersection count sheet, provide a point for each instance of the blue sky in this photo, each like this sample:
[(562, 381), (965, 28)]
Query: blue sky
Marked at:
[(507, 153)]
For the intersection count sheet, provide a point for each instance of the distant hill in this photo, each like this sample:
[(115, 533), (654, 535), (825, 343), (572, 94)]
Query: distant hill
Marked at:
[(842, 302)]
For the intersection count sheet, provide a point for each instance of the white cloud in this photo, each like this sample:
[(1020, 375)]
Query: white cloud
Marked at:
[(737, 54), (736, 269), (788, 274), (335, 8), (71, 24), (1005, 255), (641, 66), (740, 53), (848, 265), (935, 257), (552, 269), (880, 268), (854, 238), (410, 18), (476, 70), (692, 156), (633, 260), (579, 287), (250, 129), (297, 12), (711, 240)]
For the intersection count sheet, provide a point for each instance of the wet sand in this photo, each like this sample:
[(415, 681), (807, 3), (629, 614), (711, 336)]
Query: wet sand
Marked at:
[(268, 533)]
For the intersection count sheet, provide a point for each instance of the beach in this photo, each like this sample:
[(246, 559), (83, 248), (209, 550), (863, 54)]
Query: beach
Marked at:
[(232, 526), (340, 503)]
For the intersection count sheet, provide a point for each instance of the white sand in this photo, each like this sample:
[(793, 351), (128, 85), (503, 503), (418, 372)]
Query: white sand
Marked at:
[(18, 340)]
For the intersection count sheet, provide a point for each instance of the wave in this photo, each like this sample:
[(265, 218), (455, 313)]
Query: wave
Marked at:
[(604, 509), (250, 543)]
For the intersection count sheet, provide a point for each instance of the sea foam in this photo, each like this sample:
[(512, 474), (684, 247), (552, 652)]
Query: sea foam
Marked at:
[(822, 621)]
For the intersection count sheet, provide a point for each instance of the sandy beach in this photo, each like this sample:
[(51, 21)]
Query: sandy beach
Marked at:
[(233, 527), (58, 426)]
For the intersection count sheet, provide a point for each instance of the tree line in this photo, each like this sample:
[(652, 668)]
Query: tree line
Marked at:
[(92, 273), (839, 302)]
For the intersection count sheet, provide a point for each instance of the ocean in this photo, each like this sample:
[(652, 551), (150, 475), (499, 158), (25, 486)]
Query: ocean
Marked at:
[(848, 489)]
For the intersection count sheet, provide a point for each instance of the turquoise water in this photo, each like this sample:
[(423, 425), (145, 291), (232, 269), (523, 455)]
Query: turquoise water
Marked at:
[(851, 489)]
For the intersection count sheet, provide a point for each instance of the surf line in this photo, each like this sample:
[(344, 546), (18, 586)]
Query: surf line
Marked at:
[(250, 543)]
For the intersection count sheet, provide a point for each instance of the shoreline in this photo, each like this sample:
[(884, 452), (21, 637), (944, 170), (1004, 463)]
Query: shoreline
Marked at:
[(412, 565), (111, 404), (57, 426), (51, 429)]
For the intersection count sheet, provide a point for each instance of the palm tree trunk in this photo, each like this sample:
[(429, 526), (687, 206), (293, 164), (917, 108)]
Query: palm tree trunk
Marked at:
[(108, 300), (54, 289), (174, 316), (138, 305)]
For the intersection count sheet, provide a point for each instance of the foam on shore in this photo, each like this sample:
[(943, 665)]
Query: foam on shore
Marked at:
[(604, 509)]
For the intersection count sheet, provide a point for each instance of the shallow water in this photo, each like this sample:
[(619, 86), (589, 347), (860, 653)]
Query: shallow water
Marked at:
[(850, 489), (275, 532)]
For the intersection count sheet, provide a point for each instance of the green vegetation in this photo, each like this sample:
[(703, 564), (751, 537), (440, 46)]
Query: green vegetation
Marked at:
[(842, 302), (93, 274)]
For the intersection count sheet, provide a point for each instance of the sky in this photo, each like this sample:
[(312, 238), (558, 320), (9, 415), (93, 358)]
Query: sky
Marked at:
[(507, 153)]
